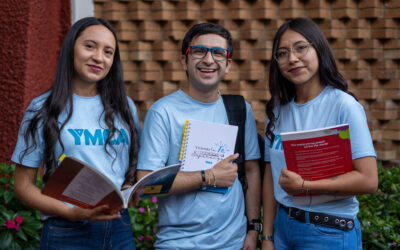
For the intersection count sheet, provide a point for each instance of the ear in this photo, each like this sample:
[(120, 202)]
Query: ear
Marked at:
[(228, 65), (183, 62)]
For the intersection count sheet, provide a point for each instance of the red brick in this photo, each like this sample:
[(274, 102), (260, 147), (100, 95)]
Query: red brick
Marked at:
[(344, 13), (139, 15), (384, 33), (391, 54), (175, 75), (166, 86), (391, 135), (265, 14), (392, 13), (385, 74), (242, 50), (393, 85), (318, 13), (390, 94), (138, 5), (149, 66), (370, 53), (357, 74), (384, 114), (386, 155), (291, 4), (212, 5), (150, 75), (114, 6), (392, 125), (384, 104), (339, 4), (371, 13), (369, 84), (115, 15), (140, 45), (368, 94), (188, 10), (141, 95), (317, 5), (291, 13)]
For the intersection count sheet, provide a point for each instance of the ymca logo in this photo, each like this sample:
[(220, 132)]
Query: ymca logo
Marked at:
[(99, 137), (277, 143)]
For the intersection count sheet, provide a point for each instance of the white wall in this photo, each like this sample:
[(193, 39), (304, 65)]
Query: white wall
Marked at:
[(81, 9)]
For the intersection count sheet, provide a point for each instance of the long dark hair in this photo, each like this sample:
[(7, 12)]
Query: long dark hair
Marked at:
[(110, 88), (282, 90)]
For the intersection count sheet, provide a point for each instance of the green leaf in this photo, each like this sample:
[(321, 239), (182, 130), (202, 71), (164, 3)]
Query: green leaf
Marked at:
[(5, 240), (8, 195), (22, 235)]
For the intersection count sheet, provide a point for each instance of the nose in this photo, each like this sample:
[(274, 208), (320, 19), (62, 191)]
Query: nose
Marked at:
[(97, 55), (208, 58), (292, 56)]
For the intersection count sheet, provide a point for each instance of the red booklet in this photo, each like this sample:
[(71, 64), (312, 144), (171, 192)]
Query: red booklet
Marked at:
[(319, 153)]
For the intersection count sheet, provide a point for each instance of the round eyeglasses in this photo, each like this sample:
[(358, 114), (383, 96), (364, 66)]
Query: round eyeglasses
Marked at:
[(199, 52), (282, 55)]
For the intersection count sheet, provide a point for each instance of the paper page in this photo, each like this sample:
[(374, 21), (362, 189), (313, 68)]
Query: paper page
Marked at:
[(88, 187), (206, 144)]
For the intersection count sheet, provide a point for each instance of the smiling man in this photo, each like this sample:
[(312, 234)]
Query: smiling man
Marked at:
[(191, 218)]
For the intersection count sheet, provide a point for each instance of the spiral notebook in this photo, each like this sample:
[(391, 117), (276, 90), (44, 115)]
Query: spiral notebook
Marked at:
[(205, 143)]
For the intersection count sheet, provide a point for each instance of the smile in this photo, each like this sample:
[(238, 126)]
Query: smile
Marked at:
[(296, 70), (95, 68)]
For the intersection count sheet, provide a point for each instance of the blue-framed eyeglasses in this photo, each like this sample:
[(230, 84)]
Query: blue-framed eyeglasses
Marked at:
[(199, 52)]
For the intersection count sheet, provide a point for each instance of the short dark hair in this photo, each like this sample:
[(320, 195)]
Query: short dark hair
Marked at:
[(204, 29)]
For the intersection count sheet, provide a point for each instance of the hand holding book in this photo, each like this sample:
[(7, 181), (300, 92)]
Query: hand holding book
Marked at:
[(225, 171)]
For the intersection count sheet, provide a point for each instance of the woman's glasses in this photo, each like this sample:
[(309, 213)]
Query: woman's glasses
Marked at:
[(199, 52), (282, 55)]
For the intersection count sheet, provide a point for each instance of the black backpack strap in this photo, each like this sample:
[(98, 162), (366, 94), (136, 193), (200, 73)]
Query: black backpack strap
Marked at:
[(236, 110)]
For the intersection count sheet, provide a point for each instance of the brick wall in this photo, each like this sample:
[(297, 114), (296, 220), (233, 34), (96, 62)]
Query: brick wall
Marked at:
[(364, 36)]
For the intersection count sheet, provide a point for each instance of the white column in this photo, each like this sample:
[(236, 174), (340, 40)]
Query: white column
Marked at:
[(81, 9)]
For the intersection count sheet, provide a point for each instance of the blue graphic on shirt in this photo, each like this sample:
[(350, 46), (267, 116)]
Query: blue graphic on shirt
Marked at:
[(277, 142), (99, 137)]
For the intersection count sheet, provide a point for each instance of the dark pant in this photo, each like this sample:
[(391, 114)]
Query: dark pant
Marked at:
[(59, 233)]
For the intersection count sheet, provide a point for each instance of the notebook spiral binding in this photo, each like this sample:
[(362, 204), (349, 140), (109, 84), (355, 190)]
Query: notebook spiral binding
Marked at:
[(184, 142)]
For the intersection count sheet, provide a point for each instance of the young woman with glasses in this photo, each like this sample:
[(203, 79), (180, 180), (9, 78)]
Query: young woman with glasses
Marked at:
[(308, 92)]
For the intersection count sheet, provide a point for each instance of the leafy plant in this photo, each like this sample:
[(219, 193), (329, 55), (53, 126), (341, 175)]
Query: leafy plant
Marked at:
[(379, 213), (144, 218), (20, 226)]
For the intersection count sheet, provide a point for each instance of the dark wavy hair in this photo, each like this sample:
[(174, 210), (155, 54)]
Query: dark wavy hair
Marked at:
[(204, 29), (282, 90), (110, 88)]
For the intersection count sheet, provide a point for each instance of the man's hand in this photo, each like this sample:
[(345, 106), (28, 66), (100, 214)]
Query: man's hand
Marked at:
[(250, 242), (267, 245), (225, 171)]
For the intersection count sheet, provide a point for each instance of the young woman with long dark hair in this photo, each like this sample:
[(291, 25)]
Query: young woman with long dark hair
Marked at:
[(85, 114), (308, 92)]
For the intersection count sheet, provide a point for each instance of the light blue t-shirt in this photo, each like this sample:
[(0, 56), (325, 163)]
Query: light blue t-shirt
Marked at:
[(331, 107), (83, 137), (196, 219)]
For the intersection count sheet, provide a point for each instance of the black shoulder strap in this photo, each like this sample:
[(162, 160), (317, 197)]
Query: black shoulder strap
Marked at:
[(236, 110)]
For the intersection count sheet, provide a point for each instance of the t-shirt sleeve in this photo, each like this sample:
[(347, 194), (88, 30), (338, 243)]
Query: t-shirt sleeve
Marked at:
[(252, 150), (360, 136), (33, 157), (154, 142)]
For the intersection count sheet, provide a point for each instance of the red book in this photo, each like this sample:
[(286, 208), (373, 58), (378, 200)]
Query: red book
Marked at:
[(319, 153)]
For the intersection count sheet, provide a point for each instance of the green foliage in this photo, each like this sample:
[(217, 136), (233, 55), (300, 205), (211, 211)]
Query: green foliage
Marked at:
[(144, 219), (379, 213), (20, 226)]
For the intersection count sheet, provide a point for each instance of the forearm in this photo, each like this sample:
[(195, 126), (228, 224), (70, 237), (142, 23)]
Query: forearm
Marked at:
[(184, 181), (269, 203), (253, 193), (30, 194), (362, 180)]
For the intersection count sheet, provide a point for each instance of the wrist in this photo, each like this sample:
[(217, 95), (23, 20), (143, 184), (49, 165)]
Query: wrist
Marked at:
[(267, 238), (254, 225)]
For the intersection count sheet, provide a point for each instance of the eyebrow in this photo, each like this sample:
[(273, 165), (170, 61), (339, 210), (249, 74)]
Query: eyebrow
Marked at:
[(93, 41), (298, 42)]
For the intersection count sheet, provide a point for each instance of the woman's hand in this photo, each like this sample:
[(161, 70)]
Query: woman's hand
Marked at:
[(291, 182), (100, 213)]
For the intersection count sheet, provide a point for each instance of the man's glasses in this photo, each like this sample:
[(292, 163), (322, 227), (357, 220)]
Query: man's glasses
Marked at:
[(282, 55), (199, 52)]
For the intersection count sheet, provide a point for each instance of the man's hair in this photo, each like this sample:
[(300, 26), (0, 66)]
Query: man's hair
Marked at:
[(204, 29)]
